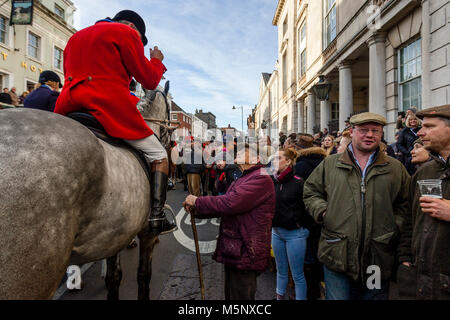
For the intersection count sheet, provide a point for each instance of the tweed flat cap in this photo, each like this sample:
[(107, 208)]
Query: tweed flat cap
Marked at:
[(442, 111), (367, 117)]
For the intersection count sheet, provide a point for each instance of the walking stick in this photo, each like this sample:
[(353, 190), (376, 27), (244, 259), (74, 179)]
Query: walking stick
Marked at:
[(197, 251)]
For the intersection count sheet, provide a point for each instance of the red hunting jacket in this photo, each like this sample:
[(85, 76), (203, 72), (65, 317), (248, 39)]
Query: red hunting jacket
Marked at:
[(99, 62)]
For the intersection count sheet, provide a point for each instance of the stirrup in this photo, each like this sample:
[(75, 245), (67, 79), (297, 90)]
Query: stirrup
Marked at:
[(166, 209)]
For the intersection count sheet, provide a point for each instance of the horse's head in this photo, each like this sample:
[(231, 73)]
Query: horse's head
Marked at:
[(155, 105)]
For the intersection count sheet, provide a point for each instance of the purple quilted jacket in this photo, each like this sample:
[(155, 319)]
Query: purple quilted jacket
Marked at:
[(246, 213)]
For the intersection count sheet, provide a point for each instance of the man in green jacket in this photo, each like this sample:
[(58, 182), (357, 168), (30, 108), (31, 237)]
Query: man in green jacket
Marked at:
[(425, 241), (360, 198)]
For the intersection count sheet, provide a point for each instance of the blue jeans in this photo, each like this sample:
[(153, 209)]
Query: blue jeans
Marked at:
[(289, 247), (339, 286)]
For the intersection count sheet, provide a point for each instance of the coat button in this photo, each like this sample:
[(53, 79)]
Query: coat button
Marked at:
[(445, 286), (89, 78), (70, 78)]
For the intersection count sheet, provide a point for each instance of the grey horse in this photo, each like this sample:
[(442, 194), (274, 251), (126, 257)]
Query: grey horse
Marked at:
[(68, 198)]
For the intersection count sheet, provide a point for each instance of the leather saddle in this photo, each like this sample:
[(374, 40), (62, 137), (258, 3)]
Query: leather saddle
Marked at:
[(89, 121)]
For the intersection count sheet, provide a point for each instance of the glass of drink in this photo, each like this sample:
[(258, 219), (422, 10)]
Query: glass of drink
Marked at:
[(430, 188)]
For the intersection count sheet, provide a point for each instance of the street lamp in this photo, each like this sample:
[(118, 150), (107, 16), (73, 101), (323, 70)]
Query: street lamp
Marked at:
[(322, 89), (242, 109)]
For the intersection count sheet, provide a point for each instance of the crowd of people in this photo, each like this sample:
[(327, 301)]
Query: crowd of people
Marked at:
[(340, 211), (9, 96)]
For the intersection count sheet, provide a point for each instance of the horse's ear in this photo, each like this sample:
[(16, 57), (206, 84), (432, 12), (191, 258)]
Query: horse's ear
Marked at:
[(167, 88)]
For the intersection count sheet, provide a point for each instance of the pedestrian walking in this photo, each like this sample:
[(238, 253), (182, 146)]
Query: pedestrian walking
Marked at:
[(14, 97), (360, 198), (425, 241), (246, 213), (194, 167), (289, 225)]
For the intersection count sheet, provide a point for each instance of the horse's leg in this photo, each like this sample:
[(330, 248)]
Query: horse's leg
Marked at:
[(113, 277), (147, 242)]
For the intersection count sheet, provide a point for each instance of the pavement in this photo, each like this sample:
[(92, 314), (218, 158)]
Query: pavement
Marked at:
[(174, 268)]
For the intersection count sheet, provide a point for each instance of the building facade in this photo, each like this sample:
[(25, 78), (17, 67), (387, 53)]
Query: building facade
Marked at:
[(382, 56), (27, 50), (199, 128), (185, 120), (207, 117)]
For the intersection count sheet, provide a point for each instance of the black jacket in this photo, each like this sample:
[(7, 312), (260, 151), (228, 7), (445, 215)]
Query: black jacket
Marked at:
[(290, 212), (43, 98), (5, 98), (406, 140), (190, 165), (232, 173), (308, 160)]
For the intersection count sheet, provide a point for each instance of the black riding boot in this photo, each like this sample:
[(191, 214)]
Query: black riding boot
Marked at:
[(158, 222)]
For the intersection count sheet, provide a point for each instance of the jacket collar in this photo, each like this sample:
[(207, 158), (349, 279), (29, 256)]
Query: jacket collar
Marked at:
[(347, 158), (252, 169), (445, 165), (285, 176)]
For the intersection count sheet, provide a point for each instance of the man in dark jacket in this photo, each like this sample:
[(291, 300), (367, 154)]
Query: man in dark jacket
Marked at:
[(45, 97), (5, 97), (194, 167), (424, 249), (247, 210)]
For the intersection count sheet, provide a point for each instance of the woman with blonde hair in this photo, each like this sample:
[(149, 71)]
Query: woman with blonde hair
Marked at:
[(406, 140), (329, 145)]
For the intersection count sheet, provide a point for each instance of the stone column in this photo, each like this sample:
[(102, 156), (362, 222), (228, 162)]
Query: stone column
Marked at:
[(426, 38), (301, 115), (345, 93), (377, 73), (325, 114), (311, 116)]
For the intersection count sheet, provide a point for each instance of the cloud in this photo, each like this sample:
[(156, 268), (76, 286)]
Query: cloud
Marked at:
[(215, 51)]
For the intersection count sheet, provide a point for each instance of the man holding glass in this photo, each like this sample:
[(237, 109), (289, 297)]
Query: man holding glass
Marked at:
[(425, 242)]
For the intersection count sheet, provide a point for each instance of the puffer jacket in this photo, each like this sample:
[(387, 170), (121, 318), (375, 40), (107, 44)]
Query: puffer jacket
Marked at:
[(308, 159), (363, 218), (425, 241), (290, 212), (247, 211)]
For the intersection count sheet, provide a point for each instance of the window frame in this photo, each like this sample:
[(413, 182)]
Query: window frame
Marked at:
[(327, 13), (56, 48), (302, 46), (418, 76), (38, 48), (174, 117), (6, 31), (59, 8)]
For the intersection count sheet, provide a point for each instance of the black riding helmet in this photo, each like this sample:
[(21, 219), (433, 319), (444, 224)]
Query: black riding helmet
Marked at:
[(131, 16)]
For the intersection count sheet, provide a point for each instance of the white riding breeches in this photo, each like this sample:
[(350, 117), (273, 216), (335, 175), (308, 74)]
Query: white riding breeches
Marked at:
[(151, 147)]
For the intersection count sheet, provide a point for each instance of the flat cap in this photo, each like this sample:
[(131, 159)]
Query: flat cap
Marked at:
[(442, 111), (367, 117), (304, 140)]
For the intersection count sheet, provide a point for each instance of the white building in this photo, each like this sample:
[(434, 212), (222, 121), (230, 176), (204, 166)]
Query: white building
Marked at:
[(199, 128), (382, 56), (26, 50)]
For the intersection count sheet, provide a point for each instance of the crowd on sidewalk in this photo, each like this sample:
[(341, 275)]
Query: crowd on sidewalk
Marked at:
[(341, 211)]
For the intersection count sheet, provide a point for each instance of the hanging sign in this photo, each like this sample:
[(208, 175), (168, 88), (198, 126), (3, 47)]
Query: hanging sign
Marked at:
[(21, 12)]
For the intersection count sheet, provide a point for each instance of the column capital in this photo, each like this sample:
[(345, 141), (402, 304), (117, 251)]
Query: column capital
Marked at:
[(376, 37), (345, 64)]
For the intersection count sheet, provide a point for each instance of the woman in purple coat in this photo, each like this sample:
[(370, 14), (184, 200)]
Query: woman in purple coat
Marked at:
[(246, 213)]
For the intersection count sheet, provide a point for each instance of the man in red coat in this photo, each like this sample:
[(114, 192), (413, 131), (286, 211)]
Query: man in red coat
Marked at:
[(99, 63)]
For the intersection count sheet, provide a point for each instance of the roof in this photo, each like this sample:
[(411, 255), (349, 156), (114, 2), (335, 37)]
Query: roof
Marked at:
[(266, 77), (278, 12), (175, 107)]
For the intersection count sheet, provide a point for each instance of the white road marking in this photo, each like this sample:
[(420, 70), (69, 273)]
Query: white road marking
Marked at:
[(206, 247)]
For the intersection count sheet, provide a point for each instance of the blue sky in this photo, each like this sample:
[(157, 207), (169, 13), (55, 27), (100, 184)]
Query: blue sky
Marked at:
[(215, 51)]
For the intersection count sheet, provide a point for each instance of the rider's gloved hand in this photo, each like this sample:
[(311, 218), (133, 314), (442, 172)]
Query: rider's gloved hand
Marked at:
[(156, 53)]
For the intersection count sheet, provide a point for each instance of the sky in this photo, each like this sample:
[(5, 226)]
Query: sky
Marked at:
[(215, 50)]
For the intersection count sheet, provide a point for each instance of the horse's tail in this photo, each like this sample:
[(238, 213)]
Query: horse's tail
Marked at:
[(47, 164)]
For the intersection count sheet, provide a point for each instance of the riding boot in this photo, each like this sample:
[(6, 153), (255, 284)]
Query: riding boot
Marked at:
[(158, 222)]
